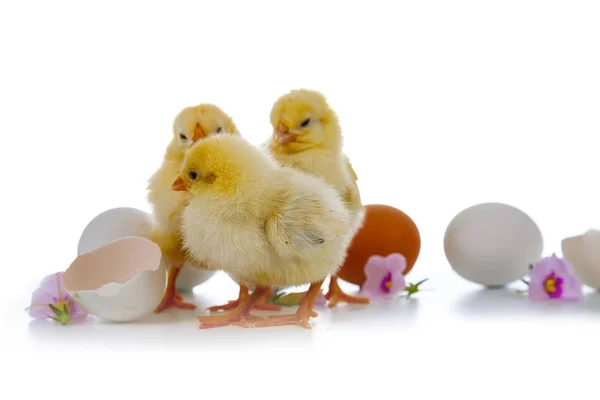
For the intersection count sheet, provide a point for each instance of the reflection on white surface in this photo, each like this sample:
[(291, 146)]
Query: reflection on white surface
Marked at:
[(508, 303), (177, 329), (432, 310)]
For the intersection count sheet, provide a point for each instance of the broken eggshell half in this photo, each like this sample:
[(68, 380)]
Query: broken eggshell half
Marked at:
[(122, 281), (583, 252), (121, 222)]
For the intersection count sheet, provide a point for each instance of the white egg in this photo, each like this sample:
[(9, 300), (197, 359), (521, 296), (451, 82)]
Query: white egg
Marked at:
[(191, 276), (114, 224), (583, 252), (123, 222), (122, 281), (492, 244)]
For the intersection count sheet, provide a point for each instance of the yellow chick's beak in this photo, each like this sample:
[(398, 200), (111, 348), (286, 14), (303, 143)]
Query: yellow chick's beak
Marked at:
[(179, 185), (199, 133), (283, 135)]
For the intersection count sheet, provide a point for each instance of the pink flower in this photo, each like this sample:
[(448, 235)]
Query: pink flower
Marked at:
[(384, 276), (553, 278), (51, 300), (321, 300)]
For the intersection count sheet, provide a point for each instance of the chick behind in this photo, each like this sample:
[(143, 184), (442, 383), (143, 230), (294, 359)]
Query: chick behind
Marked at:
[(307, 136), (190, 125)]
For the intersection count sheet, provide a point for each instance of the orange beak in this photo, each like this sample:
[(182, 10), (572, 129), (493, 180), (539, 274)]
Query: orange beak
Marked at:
[(179, 185), (199, 133), (283, 135)]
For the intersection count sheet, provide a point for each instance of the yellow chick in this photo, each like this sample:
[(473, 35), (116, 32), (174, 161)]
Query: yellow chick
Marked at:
[(307, 136), (265, 225), (189, 126)]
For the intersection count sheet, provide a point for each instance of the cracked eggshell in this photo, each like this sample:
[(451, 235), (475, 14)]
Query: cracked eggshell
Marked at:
[(492, 244), (583, 252), (114, 224), (122, 281), (118, 223)]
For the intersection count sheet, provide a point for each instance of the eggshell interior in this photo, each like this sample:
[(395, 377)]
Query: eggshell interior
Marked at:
[(117, 262), (123, 222)]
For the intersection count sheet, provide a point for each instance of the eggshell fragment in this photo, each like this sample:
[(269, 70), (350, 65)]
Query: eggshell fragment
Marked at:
[(583, 252), (114, 224), (122, 281), (122, 222), (492, 244)]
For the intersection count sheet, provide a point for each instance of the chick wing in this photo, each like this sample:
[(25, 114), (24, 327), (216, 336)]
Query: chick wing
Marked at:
[(308, 213)]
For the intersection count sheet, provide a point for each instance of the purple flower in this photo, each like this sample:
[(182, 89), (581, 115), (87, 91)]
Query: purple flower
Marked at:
[(385, 276), (321, 300), (553, 278), (51, 300)]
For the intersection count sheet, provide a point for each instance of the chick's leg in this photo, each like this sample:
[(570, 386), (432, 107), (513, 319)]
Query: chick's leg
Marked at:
[(171, 298), (239, 315), (336, 295), (302, 315), (261, 304)]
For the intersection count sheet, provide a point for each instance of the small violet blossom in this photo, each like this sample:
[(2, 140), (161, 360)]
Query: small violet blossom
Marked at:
[(51, 300), (553, 278), (385, 276), (321, 300)]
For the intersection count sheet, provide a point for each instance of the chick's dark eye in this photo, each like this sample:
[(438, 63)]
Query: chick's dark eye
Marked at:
[(182, 137), (193, 175), (219, 130), (305, 123)]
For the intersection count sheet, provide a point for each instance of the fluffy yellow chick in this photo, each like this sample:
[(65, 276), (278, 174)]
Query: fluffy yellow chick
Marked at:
[(265, 225), (189, 126), (307, 136)]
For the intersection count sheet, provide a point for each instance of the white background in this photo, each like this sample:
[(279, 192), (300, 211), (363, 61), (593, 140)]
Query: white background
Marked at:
[(443, 105)]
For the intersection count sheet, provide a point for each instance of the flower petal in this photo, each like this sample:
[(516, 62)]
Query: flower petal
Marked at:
[(39, 304), (321, 300), (572, 288), (375, 271), (563, 267), (76, 311), (541, 270), (373, 294), (396, 263), (376, 268), (398, 283), (53, 284), (537, 290)]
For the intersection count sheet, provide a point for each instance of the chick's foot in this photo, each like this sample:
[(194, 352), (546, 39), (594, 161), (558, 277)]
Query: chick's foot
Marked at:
[(240, 315), (302, 315), (171, 298), (336, 295), (261, 304)]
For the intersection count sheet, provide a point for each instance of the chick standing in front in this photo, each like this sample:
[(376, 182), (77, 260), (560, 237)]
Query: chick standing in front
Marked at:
[(189, 126), (265, 225), (307, 136)]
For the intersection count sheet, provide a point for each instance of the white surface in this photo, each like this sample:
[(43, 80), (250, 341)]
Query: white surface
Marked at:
[(444, 105)]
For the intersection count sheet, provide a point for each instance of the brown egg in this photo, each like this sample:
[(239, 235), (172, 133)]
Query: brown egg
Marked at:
[(386, 230)]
